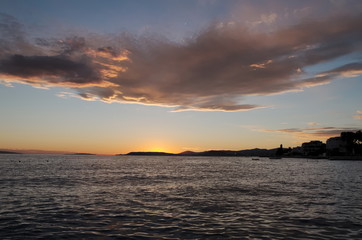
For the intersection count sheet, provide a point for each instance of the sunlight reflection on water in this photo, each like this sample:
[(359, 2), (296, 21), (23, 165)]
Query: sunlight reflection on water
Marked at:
[(105, 197)]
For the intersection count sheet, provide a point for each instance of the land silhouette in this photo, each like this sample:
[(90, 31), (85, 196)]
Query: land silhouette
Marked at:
[(346, 146), (226, 153), (8, 152)]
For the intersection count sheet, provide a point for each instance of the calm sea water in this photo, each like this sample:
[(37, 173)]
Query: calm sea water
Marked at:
[(134, 197)]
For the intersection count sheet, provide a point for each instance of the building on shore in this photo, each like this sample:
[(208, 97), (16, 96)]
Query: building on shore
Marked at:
[(336, 146), (313, 148)]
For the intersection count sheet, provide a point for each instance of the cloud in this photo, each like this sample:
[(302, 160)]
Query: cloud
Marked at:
[(358, 115), (348, 70), (265, 19), (310, 133), (53, 69), (213, 71)]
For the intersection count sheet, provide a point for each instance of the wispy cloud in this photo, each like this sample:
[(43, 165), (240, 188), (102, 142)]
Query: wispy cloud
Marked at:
[(310, 133), (265, 19), (215, 70), (358, 115)]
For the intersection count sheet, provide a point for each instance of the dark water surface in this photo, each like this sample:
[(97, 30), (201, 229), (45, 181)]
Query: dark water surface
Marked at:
[(135, 197)]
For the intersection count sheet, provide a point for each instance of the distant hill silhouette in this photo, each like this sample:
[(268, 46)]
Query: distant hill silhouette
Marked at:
[(82, 154), (219, 153), (187, 153), (8, 152), (151, 154)]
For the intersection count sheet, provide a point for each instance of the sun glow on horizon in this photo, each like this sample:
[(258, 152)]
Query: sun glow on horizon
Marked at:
[(158, 149), (158, 145)]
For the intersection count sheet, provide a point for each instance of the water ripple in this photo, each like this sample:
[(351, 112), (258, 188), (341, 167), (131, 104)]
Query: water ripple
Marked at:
[(100, 197)]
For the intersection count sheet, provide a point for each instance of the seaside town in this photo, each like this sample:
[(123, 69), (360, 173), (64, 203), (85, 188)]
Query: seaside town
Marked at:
[(347, 145)]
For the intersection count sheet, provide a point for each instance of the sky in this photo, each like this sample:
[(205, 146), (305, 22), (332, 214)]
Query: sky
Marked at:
[(111, 77)]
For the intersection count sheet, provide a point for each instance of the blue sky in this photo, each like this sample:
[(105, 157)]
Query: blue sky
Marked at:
[(118, 76)]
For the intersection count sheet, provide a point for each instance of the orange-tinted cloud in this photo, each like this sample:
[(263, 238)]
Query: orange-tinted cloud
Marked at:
[(358, 115), (215, 70), (311, 133)]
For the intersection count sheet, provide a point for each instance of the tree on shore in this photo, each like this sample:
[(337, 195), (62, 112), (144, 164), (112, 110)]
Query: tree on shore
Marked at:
[(353, 142), (358, 137)]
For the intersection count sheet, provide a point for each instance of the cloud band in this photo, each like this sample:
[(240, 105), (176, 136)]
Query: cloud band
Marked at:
[(215, 70)]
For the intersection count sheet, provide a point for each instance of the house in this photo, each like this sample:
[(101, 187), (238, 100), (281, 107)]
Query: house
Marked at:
[(336, 146), (313, 148)]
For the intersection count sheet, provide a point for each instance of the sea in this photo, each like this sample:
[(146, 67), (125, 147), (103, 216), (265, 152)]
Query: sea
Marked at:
[(176, 197)]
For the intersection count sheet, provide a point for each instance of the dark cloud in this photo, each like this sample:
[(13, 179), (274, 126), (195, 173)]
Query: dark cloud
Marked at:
[(214, 70), (62, 47), (13, 37), (56, 67)]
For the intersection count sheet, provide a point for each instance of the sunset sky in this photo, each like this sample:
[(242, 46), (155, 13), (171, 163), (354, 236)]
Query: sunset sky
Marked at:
[(114, 76)]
